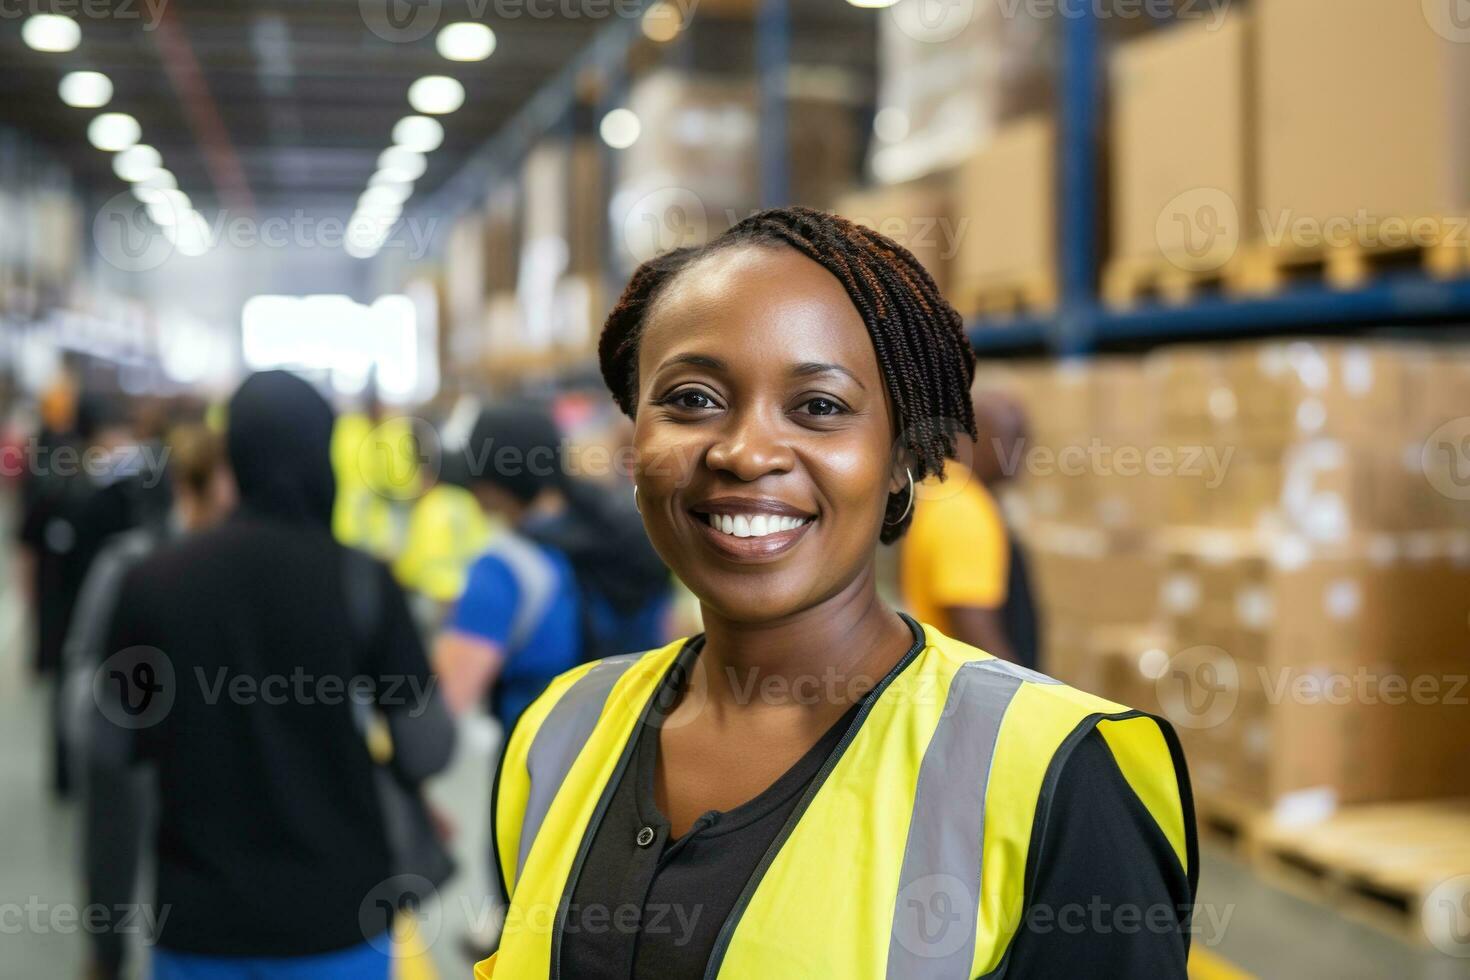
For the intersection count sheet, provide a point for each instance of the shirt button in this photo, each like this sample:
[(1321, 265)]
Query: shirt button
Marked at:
[(645, 836)]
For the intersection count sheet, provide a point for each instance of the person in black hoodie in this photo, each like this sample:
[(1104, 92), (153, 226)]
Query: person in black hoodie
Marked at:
[(239, 675)]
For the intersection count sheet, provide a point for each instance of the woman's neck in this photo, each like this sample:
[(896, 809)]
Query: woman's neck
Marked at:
[(834, 651)]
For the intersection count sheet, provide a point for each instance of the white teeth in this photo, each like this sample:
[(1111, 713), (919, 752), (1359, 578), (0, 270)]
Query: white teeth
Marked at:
[(754, 526)]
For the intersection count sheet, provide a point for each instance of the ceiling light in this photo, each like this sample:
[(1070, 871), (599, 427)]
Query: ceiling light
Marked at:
[(51, 32), (436, 95), (190, 234), (137, 162), (620, 129), (872, 4), (394, 194), (114, 131), (662, 22), (403, 163), (86, 89), (466, 41), (381, 177), (420, 133), (150, 189), (169, 207)]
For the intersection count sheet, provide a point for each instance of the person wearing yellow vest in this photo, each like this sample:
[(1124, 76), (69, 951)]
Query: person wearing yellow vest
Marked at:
[(817, 785)]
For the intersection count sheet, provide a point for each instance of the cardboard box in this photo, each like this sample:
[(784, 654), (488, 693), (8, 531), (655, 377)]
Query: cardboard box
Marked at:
[(1363, 109), (502, 237), (955, 76), (1005, 204), (1304, 670), (1181, 136)]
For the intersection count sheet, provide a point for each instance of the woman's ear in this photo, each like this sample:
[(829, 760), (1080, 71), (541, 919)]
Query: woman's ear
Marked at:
[(901, 472)]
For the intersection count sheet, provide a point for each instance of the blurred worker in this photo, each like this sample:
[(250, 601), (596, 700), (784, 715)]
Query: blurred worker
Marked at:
[(240, 667), (203, 493), (446, 532), (1001, 421), (83, 496), (955, 562), (517, 623), (377, 463)]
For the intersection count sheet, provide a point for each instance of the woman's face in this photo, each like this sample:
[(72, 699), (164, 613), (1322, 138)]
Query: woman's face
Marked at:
[(761, 407)]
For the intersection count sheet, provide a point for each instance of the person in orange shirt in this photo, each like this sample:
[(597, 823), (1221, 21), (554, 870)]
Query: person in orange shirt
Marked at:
[(955, 566)]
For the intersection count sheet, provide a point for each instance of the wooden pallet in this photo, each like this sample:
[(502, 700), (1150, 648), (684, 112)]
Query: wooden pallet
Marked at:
[(1378, 864), (1438, 246), (1006, 297), (1228, 821), (1129, 282)]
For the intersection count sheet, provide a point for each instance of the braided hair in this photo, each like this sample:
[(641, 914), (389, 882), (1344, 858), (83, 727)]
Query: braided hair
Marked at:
[(926, 360)]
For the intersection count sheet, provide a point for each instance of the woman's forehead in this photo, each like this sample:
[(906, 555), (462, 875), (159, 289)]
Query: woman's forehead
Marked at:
[(772, 302)]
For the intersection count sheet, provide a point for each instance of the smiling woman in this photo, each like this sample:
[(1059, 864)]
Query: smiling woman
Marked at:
[(818, 785)]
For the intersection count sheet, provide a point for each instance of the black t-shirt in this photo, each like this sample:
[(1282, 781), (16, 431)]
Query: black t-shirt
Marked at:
[(1108, 897), (270, 836)]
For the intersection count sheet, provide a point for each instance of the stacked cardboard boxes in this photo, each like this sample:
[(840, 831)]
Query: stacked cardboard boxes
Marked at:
[(1399, 150), (695, 169), (1181, 136), (1309, 549)]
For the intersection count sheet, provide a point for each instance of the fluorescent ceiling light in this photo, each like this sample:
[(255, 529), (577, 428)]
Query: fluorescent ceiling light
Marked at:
[(85, 89), (620, 129), (466, 41), (436, 95), (420, 133), (114, 131), (137, 162), (51, 33), (402, 162)]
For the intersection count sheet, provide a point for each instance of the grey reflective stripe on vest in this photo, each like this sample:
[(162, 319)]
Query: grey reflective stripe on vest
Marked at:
[(938, 902), (561, 737), (535, 578)]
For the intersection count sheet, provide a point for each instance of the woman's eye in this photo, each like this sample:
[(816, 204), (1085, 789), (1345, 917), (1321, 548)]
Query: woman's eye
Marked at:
[(691, 399), (822, 406)]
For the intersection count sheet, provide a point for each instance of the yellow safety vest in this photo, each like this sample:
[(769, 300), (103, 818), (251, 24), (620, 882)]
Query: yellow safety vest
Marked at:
[(934, 792)]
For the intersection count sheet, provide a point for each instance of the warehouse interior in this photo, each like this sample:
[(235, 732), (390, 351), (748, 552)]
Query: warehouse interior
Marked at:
[(1215, 252)]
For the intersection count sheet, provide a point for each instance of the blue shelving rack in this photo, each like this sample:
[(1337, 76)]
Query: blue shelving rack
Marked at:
[(1082, 324)]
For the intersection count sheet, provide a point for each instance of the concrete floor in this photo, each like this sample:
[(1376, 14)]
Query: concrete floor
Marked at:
[(1243, 923)]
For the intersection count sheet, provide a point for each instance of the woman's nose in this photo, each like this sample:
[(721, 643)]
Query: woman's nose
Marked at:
[(751, 447)]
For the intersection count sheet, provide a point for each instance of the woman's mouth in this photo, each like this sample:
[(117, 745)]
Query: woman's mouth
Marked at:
[(751, 535)]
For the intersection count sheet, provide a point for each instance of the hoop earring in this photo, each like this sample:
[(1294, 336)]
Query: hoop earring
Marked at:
[(910, 503), (635, 499)]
